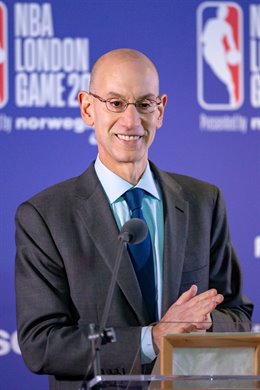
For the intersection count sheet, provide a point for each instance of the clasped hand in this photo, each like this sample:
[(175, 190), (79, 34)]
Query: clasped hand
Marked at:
[(190, 313)]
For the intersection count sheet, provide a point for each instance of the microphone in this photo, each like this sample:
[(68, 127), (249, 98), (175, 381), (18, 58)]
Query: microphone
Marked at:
[(133, 231)]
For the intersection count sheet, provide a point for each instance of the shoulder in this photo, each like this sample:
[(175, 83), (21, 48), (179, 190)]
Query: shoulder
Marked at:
[(183, 185), (61, 189), (200, 194), (190, 186), (62, 195)]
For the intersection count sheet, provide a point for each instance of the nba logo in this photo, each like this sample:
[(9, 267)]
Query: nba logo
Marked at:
[(3, 56), (219, 56)]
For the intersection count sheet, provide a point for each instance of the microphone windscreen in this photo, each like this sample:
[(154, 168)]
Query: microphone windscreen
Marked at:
[(134, 231)]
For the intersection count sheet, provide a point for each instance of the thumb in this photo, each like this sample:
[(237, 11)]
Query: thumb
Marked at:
[(187, 295)]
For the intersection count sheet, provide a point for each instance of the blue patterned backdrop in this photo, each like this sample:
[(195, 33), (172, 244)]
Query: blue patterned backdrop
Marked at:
[(46, 53)]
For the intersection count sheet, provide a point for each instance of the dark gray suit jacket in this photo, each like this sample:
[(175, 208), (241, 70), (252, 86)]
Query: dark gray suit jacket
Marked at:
[(67, 241)]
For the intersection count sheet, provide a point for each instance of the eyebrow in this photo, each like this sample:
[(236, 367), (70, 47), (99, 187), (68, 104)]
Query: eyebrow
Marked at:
[(146, 96)]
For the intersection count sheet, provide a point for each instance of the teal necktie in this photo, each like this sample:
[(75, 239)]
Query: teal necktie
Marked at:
[(142, 254)]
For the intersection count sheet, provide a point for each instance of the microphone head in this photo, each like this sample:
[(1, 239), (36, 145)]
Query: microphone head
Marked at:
[(134, 231)]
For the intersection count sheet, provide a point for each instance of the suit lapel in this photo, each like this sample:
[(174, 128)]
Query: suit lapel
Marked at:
[(94, 211), (175, 236)]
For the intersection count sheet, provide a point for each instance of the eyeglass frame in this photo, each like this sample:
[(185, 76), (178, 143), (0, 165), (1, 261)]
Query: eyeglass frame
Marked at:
[(102, 100)]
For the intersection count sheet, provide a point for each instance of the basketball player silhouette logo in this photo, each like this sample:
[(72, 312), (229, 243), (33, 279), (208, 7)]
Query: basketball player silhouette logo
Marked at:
[(219, 56)]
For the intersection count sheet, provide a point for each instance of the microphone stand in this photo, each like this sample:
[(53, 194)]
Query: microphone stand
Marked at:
[(134, 231), (107, 335), (100, 335)]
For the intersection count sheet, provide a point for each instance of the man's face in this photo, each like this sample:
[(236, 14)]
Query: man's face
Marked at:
[(124, 137)]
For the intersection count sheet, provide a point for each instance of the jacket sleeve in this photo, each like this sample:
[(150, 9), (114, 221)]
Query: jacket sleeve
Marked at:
[(51, 339), (234, 314)]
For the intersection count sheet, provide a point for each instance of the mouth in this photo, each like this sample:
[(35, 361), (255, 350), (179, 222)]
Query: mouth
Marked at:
[(129, 137)]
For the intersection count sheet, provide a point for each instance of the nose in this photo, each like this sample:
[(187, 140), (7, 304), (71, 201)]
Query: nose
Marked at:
[(131, 117)]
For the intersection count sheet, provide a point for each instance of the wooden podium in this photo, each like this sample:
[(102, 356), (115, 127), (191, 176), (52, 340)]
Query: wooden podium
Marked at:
[(230, 360)]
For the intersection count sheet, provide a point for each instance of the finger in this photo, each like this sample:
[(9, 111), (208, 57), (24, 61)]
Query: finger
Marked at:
[(219, 299), (210, 304), (207, 296), (201, 308), (187, 295), (206, 306), (205, 323)]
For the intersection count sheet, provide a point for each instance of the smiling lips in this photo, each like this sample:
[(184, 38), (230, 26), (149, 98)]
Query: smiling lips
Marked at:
[(129, 137)]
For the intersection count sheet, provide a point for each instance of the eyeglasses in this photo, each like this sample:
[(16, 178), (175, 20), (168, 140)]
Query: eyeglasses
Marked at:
[(144, 106)]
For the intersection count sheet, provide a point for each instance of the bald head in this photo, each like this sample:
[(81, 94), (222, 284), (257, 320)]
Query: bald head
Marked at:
[(117, 57), (125, 108)]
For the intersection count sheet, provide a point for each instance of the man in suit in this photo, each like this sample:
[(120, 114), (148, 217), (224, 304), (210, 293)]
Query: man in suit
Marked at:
[(67, 238)]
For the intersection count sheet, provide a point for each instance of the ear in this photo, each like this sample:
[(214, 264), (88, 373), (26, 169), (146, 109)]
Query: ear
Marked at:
[(86, 108), (161, 108)]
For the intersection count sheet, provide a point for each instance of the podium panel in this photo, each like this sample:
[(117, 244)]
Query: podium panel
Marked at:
[(211, 354), (197, 361), (235, 353)]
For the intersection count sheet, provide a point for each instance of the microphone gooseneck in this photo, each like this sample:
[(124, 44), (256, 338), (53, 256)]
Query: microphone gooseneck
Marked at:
[(133, 231)]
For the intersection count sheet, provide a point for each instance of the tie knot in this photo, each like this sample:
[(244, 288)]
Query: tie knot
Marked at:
[(134, 198)]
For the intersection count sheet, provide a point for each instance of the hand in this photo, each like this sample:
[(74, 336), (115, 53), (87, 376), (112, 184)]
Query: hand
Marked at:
[(189, 313)]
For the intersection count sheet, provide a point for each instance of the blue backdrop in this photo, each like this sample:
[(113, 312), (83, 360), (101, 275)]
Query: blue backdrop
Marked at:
[(211, 128)]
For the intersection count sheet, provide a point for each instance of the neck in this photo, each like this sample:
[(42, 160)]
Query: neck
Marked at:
[(130, 171)]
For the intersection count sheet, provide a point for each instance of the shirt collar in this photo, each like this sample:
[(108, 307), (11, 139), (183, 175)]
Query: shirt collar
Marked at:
[(115, 186)]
